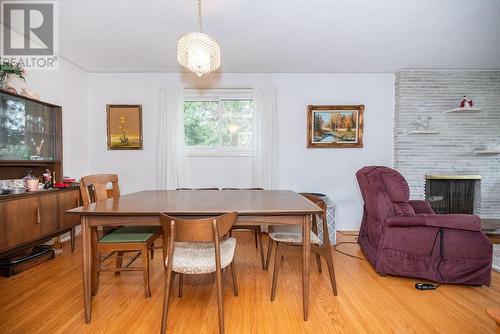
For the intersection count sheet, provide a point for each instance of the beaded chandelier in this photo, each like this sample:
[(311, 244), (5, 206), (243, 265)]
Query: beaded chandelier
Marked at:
[(198, 52)]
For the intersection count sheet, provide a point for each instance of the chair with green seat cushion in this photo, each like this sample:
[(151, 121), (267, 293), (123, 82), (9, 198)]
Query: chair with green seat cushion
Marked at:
[(137, 239)]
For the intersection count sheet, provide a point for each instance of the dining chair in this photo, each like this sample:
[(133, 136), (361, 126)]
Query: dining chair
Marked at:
[(121, 240), (198, 246), (256, 229), (291, 235)]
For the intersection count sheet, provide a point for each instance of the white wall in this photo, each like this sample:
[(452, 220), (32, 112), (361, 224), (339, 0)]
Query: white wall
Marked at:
[(67, 87), (330, 171)]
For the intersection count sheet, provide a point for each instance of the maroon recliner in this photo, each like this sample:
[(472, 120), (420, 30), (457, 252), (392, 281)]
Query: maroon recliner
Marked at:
[(406, 238)]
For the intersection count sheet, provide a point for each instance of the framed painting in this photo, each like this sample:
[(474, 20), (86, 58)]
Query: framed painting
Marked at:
[(124, 123), (335, 126)]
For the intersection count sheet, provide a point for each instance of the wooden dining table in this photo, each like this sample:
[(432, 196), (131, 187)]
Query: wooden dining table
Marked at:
[(254, 207)]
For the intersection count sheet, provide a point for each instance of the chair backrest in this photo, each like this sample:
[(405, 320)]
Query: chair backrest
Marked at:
[(242, 189), (197, 230), (197, 189), (385, 192), (94, 188), (324, 224)]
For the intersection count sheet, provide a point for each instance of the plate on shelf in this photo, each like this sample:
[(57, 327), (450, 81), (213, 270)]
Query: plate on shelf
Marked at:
[(470, 110), (423, 132), (486, 152)]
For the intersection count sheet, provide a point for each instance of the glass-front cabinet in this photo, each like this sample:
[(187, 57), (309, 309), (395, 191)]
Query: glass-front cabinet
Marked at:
[(27, 129), (30, 137)]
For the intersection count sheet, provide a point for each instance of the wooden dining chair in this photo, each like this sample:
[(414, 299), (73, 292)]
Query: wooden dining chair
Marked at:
[(256, 229), (291, 235), (137, 239), (198, 246)]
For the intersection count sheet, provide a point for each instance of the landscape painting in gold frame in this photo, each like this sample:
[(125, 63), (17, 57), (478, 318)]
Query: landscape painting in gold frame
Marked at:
[(335, 126), (124, 123)]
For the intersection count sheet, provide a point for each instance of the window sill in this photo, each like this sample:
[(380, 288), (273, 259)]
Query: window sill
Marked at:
[(197, 152)]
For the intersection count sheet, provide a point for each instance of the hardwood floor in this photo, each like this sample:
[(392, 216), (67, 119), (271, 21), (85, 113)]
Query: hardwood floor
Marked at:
[(48, 299)]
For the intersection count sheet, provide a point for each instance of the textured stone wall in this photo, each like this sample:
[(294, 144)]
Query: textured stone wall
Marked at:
[(453, 149)]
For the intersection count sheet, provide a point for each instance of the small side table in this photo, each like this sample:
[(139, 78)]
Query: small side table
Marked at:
[(330, 218), (491, 228), (494, 313)]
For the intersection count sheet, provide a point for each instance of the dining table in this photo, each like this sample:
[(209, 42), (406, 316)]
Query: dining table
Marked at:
[(254, 207)]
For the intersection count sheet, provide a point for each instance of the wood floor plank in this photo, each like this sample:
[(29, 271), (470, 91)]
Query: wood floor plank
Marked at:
[(49, 299)]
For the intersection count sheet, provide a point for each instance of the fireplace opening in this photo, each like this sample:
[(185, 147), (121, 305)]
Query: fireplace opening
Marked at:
[(452, 193)]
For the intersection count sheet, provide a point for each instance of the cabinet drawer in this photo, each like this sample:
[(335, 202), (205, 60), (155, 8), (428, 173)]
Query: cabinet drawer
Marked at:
[(48, 214), (20, 221), (68, 200)]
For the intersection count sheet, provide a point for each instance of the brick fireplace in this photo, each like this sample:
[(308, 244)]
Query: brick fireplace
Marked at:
[(454, 144)]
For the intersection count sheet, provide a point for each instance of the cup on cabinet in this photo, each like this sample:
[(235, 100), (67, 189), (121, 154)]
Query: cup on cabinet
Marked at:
[(32, 184)]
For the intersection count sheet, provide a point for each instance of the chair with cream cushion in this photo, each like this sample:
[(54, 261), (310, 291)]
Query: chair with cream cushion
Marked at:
[(198, 246), (289, 235)]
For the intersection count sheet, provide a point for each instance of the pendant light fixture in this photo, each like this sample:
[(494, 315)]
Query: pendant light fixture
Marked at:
[(198, 52)]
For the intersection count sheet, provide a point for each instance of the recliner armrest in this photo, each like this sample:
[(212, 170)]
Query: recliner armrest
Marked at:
[(421, 207), (405, 221), (453, 221)]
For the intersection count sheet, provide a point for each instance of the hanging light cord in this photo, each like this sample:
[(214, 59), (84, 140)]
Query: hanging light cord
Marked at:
[(199, 15)]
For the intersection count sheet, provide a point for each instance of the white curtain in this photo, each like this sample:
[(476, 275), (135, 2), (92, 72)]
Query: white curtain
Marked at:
[(170, 158), (265, 139)]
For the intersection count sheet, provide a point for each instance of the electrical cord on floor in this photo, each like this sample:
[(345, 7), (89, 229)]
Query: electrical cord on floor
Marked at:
[(348, 242), (350, 255)]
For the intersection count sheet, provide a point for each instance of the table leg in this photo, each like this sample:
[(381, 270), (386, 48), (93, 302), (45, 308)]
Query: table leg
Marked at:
[(86, 266), (306, 249)]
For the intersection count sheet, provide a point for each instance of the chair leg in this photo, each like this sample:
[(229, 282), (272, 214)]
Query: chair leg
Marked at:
[(331, 271), (269, 251), (181, 281), (166, 296), (318, 262), (220, 301), (235, 284), (119, 261), (72, 239), (152, 251), (256, 239), (145, 270), (262, 260), (277, 264)]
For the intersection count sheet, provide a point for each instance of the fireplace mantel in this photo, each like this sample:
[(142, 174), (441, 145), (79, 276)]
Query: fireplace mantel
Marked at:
[(453, 177)]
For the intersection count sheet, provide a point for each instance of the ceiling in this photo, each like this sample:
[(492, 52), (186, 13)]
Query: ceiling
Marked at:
[(285, 35)]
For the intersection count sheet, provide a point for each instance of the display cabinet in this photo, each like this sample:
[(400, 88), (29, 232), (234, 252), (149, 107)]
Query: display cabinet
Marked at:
[(31, 140), (30, 136)]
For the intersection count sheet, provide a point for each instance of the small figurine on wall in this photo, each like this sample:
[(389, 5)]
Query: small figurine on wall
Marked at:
[(466, 103), (423, 124)]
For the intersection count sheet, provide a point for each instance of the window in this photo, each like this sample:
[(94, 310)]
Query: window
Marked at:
[(218, 122)]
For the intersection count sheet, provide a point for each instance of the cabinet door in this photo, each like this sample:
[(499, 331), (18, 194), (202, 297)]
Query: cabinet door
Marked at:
[(68, 200), (20, 220), (48, 214)]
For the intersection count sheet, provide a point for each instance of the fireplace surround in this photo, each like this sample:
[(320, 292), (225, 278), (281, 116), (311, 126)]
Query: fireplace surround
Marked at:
[(453, 193)]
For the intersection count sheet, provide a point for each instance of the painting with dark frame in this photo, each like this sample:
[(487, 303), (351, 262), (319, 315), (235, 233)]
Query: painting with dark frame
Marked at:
[(124, 123), (335, 126)]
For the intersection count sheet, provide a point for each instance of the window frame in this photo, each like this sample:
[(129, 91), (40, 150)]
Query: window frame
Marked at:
[(216, 95)]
